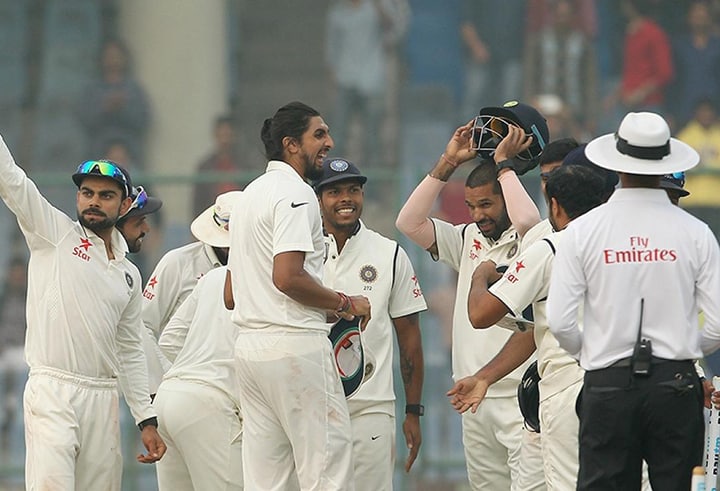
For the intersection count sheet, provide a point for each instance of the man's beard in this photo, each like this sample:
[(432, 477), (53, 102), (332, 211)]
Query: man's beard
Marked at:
[(312, 172), (99, 224)]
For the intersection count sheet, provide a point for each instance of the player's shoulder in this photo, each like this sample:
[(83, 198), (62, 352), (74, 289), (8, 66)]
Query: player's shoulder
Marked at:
[(179, 255)]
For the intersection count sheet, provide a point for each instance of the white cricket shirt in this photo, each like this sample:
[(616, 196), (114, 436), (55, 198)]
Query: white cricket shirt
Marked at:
[(277, 212), (170, 283), (376, 267), (464, 247), (637, 245), (200, 338), (526, 282), (83, 309)]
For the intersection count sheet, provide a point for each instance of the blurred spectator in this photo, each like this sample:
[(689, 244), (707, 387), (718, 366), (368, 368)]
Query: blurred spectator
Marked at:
[(560, 60), (696, 55), (543, 13), (494, 43), (558, 116), (12, 340), (359, 35), (223, 159), (115, 105), (703, 181), (647, 63)]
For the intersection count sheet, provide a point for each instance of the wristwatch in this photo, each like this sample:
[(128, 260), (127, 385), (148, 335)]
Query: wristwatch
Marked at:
[(148, 422), (417, 409), (506, 164)]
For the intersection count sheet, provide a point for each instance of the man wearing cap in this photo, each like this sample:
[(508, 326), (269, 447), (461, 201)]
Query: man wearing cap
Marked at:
[(83, 331), (296, 418), (133, 224), (177, 273), (571, 190), (359, 260), (641, 285), (506, 137)]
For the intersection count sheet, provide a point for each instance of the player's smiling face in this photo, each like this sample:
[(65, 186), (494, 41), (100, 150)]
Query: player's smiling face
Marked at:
[(315, 144), (487, 209), (341, 205)]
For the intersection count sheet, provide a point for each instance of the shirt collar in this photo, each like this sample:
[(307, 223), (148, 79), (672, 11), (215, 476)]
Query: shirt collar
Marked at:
[(210, 252), (656, 195), (279, 165), (118, 243), (360, 225)]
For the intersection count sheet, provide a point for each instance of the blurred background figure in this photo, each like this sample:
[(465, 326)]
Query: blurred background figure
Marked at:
[(702, 133), (223, 159), (12, 340), (360, 36), (647, 63), (493, 40), (696, 56), (560, 60), (114, 105)]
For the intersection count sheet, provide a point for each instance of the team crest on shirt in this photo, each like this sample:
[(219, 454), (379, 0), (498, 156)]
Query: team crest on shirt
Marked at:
[(128, 279), (368, 273), (513, 250)]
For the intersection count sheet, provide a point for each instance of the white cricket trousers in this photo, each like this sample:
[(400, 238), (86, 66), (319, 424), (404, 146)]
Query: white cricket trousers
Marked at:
[(202, 428), (373, 451), (500, 453), (559, 425), (72, 432), (295, 415)]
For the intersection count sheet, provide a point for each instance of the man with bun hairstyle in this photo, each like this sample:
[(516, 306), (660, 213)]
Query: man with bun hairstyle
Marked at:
[(83, 331), (296, 417), (509, 139)]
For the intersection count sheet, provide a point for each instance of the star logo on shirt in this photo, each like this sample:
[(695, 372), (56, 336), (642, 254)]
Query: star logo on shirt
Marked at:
[(477, 245), (85, 244), (518, 266), (153, 281)]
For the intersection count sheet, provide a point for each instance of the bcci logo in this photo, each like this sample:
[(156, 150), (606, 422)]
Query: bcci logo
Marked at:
[(339, 165), (513, 250), (368, 273), (128, 279)]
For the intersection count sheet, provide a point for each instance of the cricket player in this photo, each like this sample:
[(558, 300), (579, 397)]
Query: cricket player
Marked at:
[(359, 260), (296, 420), (177, 273), (83, 331), (197, 400)]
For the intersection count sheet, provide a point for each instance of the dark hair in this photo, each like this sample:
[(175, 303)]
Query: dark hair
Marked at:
[(483, 174), (290, 120), (576, 188), (556, 150)]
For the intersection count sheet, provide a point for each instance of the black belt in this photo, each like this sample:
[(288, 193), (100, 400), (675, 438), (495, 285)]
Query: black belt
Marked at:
[(627, 362)]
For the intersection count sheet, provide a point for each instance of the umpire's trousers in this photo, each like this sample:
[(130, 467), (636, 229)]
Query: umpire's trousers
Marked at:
[(626, 418)]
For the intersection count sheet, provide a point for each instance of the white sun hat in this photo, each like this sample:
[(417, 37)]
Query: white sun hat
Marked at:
[(211, 226), (642, 145)]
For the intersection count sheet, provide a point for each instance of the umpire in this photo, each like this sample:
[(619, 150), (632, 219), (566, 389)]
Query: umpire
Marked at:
[(642, 269)]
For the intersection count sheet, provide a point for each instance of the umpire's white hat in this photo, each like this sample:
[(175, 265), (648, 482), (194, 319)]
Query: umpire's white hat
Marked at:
[(211, 226), (642, 145)]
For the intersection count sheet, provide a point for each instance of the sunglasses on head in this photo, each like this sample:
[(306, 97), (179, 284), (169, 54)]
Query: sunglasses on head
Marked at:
[(489, 131), (102, 168), (140, 199), (678, 177)]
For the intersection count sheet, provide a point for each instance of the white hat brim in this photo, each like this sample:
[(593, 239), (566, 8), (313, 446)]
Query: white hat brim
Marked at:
[(603, 152), (203, 230)]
